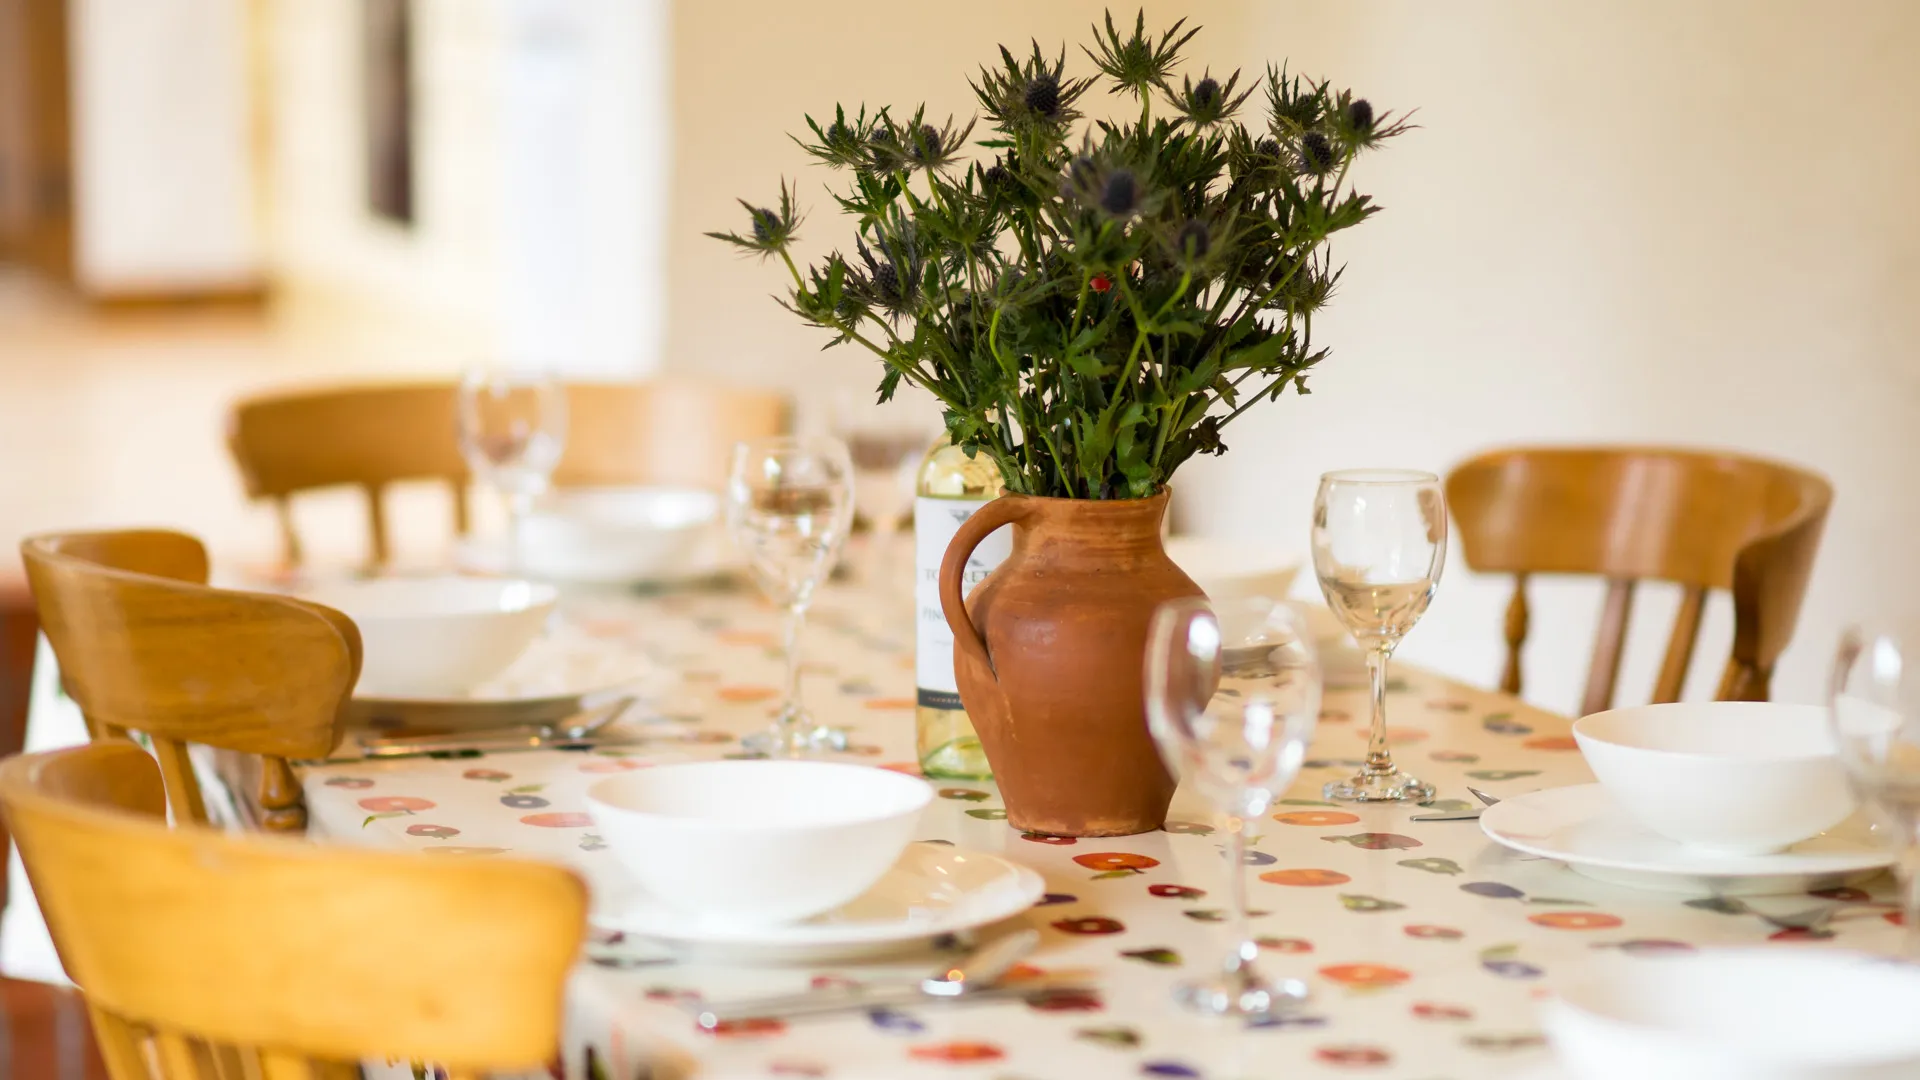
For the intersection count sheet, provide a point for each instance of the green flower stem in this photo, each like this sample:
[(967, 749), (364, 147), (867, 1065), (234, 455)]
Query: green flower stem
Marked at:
[(910, 373)]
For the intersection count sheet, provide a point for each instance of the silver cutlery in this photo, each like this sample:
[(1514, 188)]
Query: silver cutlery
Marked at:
[(1460, 815), (573, 730), (975, 978), (1812, 920)]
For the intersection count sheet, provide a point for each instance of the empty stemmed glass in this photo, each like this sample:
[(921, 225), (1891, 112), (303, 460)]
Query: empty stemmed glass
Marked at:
[(789, 506), (1232, 698), (1876, 724), (1379, 541), (887, 441), (512, 429)]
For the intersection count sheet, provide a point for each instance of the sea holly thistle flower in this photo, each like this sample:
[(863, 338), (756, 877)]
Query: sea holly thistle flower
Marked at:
[(1209, 101), (770, 230), (840, 144), (1030, 94), (1092, 304), (1136, 63)]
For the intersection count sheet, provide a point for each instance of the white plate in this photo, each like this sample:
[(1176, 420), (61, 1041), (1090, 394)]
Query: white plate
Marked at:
[(934, 889), (1582, 827), (562, 673)]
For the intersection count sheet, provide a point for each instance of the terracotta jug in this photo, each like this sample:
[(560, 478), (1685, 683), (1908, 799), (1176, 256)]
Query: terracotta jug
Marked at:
[(1048, 651)]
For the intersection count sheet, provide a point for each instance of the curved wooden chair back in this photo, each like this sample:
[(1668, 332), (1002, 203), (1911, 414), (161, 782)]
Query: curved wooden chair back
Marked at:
[(1698, 519), (211, 956), (369, 437), (666, 432), (143, 644), (670, 432)]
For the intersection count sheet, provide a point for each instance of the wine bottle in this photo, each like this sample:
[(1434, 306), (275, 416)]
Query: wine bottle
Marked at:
[(949, 488)]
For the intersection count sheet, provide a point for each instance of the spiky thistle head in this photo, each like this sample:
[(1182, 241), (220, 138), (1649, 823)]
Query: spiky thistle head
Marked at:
[(1209, 101), (1137, 63), (769, 231)]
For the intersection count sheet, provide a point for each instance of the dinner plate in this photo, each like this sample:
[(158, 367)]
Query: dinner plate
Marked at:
[(934, 889), (566, 671), (1583, 827)]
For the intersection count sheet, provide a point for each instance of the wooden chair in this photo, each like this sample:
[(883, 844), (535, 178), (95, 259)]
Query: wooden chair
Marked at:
[(210, 956), (369, 437), (1699, 519), (668, 432), (144, 645)]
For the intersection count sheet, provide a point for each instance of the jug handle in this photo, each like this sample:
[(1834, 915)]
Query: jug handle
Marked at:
[(953, 603)]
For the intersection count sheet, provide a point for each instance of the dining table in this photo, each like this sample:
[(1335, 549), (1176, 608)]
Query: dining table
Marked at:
[(1425, 946)]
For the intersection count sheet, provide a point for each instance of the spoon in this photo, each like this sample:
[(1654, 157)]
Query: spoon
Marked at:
[(976, 977)]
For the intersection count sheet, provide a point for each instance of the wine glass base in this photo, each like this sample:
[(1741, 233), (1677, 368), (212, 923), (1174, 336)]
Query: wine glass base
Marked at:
[(1241, 994), (1392, 786)]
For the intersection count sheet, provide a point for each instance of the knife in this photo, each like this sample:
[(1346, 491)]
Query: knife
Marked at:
[(574, 731), (975, 978)]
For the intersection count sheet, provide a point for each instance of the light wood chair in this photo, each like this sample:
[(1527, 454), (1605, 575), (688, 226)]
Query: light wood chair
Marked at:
[(210, 956), (665, 432), (143, 644), (670, 432), (369, 437), (1699, 519)]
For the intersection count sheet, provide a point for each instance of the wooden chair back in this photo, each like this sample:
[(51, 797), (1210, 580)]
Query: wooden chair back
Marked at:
[(668, 432), (369, 437), (143, 644), (210, 956), (1698, 519)]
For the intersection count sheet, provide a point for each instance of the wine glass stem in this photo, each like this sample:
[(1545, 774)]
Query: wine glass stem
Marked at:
[(790, 712), (519, 505), (1379, 759), (884, 530), (1237, 893)]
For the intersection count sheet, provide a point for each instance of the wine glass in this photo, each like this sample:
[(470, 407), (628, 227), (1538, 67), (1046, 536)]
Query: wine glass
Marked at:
[(512, 429), (1379, 541), (1233, 694), (1876, 724), (887, 442), (789, 505)]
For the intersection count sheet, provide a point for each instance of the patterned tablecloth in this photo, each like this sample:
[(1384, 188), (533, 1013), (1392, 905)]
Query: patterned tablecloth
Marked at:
[(1426, 946)]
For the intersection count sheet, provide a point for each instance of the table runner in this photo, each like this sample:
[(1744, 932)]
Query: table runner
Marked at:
[(1425, 944)]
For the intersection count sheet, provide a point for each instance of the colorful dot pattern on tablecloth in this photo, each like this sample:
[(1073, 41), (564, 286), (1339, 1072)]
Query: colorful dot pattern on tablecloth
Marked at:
[(1425, 946)]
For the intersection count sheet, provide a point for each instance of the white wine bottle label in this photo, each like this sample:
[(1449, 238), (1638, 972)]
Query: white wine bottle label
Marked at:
[(934, 523)]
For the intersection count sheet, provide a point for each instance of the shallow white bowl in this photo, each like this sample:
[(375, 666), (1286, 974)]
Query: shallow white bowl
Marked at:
[(757, 842), (618, 535), (441, 636), (1727, 777), (1740, 1014)]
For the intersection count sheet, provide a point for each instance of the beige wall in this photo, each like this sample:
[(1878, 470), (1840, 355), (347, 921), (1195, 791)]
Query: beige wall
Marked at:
[(1684, 223)]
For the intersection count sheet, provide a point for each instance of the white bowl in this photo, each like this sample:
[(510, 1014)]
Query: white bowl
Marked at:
[(1739, 1014), (750, 843), (1228, 569), (618, 535), (441, 636), (1727, 777)]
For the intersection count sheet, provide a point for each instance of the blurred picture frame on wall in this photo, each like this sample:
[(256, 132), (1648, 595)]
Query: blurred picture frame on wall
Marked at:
[(387, 57)]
